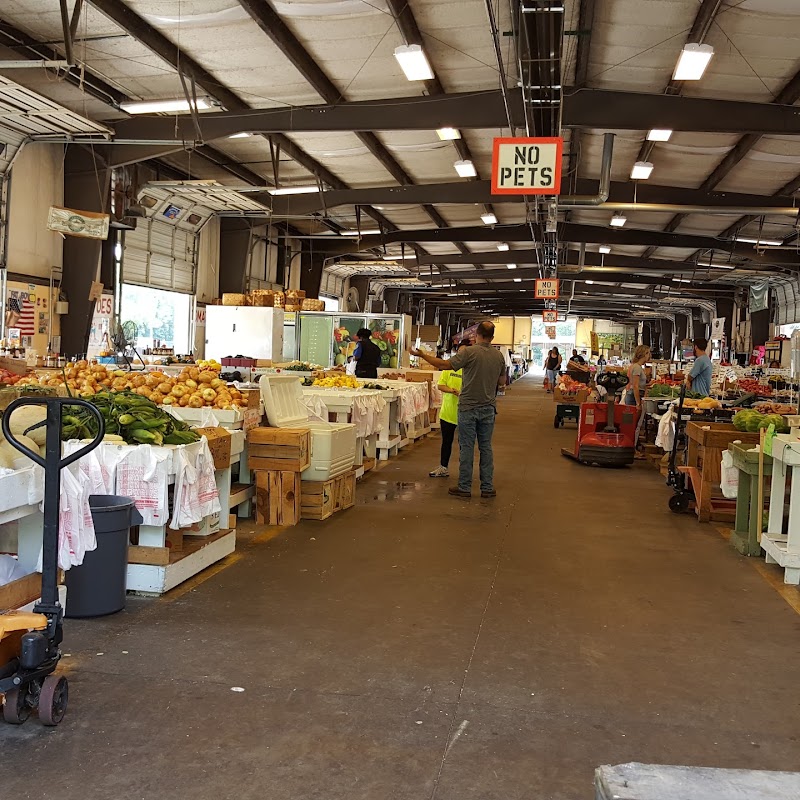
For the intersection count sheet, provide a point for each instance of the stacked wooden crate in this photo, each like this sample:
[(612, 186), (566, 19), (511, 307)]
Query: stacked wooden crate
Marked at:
[(322, 499), (278, 456)]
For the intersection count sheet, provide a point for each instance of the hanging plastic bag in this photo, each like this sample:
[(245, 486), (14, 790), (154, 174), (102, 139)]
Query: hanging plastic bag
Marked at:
[(729, 477), (665, 438)]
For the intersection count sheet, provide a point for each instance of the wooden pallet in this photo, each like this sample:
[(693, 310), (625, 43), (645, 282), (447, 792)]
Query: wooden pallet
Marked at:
[(323, 499), (277, 497)]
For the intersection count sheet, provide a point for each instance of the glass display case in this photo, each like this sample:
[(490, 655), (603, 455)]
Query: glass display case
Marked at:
[(329, 338)]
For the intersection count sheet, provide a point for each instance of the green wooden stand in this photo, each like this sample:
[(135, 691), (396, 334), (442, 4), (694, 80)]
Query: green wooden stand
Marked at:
[(745, 536)]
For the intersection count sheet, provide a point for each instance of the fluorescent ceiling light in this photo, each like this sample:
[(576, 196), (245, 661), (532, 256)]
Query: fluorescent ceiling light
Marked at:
[(466, 169), (641, 170), (413, 62), (240, 135), (489, 219), (502, 246), (659, 135), (681, 280), (363, 232), (162, 106), (773, 242), (448, 134), (588, 281), (511, 266), (604, 248), (618, 220), (715, 266), (278, 190), (692, 63), (517, 280), (400, 258)]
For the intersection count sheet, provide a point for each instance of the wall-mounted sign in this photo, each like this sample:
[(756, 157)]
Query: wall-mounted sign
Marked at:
[(78, 223), (527, 166), (549, 316), (550, 330), (718, 328), (546, 289)]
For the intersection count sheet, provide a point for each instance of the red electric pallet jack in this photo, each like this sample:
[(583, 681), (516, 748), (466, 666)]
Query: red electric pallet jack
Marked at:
[(607, 430)]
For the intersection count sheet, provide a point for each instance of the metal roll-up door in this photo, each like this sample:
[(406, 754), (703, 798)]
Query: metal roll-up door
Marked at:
[(161, 256)]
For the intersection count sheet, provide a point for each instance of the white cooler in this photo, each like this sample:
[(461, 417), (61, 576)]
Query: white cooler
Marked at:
[(333, 444)]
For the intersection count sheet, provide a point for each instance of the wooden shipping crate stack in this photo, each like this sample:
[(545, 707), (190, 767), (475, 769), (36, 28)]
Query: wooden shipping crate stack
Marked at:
[(322, 499), (278, 456)]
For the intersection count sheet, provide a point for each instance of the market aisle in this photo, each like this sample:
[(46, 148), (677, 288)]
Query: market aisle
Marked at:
[(420, 646)]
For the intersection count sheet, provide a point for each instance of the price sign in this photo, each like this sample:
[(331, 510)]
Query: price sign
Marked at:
[(549, 317), (200, 316), (526, 165), (252, 418), (550, 330), (546, 289)]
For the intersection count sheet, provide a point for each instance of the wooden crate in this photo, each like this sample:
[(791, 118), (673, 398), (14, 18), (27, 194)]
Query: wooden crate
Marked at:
[(279, 449), (322, 499), (277, 497)]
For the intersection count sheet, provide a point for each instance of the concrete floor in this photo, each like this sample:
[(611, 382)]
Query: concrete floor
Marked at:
[(419, 646)]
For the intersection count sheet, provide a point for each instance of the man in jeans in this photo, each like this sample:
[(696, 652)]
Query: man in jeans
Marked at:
[(483, 374)]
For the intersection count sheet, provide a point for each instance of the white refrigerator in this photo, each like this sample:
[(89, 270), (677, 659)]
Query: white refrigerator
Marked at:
[(252, 332)]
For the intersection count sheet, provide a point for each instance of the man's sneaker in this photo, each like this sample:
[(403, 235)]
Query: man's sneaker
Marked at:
[(456, 492), (488, 493), (439, 472)]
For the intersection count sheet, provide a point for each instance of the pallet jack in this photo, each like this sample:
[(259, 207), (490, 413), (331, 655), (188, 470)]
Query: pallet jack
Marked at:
[(607, 430), (683, 498), (30, 642)]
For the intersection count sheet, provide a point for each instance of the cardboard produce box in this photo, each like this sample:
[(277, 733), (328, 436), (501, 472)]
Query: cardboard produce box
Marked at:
[(577, 398), (419, 375), (219, 442)]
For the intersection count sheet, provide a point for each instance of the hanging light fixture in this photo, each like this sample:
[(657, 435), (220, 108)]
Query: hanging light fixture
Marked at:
[(692, 62)]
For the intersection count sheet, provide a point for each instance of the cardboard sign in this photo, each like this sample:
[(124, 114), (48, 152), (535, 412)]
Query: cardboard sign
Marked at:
[(549, 316), (546, 289), (550, 330), (527, 165)]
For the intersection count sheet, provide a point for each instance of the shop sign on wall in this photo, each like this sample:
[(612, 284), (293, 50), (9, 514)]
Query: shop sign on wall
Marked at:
[(527, 165), (550, 330), (70, 222), (549, 316), (546, 289)]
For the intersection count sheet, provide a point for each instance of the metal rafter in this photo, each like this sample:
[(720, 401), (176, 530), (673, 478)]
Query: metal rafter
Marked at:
[(278, 31), (789, 95)]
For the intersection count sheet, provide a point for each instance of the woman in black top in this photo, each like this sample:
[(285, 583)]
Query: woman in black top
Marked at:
[(552, 367), (367, 355)]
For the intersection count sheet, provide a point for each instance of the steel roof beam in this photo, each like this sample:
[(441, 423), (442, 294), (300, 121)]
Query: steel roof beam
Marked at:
[(786, 98), (480, 192), (588, 108)]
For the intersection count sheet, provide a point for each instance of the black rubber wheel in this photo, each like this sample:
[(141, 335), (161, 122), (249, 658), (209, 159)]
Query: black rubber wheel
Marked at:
[(53, 699), (556, 422), (679, 503), (16, 708)]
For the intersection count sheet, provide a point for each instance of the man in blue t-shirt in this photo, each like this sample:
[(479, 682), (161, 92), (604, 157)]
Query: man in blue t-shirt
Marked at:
[(699, 378)]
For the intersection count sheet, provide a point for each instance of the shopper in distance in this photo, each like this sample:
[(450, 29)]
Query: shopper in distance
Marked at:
[(367, 355), (483, 375)]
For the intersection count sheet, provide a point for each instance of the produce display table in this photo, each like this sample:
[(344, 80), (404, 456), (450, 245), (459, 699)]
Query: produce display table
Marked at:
[(784, 549), (747, 529), (704, 467)]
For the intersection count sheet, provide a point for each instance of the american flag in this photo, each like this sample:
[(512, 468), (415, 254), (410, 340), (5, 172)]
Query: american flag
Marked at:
[(27, 315)]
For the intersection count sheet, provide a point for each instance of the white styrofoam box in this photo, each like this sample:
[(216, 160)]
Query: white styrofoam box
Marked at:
[(21, 487), (333, 444), (228, 418), (333, 450), (238, 438)]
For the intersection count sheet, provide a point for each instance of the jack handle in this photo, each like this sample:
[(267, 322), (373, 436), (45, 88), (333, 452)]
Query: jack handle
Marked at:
[(50, 401)]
